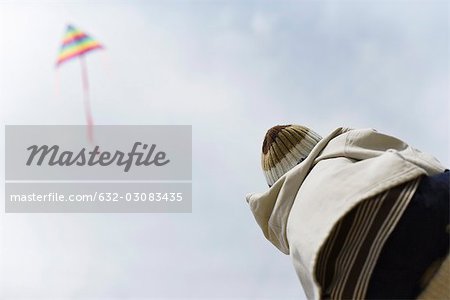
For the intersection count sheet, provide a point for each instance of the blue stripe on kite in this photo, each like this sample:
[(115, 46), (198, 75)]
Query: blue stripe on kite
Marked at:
[(76, 41)]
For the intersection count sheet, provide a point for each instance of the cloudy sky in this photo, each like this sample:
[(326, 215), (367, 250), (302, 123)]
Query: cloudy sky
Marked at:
[(232, 69)]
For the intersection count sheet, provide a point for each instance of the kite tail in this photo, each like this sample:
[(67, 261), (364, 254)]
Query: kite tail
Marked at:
[(87, 104), (57, 86), (90, 127)]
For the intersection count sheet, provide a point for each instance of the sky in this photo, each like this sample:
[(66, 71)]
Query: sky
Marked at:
[(231, 69)]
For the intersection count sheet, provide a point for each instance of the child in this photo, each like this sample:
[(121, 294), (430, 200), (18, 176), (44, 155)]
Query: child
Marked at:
[(362, 214)]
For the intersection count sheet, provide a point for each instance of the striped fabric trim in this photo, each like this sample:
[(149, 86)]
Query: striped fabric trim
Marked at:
[(348, 257)]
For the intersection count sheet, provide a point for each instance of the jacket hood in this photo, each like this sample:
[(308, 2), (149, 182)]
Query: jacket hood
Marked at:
[(271, 208), (346, 167)]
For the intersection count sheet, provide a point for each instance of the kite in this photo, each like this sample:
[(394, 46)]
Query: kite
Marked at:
[(75, 44)]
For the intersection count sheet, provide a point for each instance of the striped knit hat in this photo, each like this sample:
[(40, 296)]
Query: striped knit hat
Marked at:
[(284, 147)]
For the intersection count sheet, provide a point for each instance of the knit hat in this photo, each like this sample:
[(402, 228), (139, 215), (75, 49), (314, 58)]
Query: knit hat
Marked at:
[(284, 147)]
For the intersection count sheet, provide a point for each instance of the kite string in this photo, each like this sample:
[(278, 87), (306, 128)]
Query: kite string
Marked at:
[(87, 105)]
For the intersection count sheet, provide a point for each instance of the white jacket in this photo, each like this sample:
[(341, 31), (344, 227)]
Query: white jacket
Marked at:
[(346, 167)]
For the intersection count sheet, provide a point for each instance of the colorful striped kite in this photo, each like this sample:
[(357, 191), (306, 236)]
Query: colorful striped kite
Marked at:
[(76, 43)]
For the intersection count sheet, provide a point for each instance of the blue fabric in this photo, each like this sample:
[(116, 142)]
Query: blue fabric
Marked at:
[(419, 239)]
